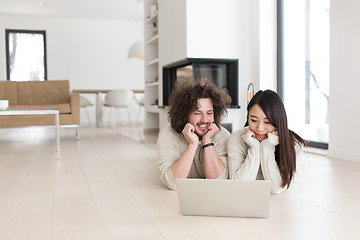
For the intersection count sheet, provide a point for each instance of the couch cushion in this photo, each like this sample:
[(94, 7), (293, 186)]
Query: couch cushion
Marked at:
[(63, 107), (43, 92), (8, 91)]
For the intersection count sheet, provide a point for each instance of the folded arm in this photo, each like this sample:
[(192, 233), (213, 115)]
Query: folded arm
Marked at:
[(244, 156)]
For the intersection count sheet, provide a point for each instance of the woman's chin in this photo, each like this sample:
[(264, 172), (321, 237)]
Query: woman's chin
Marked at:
[(261, 138)]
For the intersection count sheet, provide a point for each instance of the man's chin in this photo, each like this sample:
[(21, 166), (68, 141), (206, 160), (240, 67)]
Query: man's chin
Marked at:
[(201, 133)]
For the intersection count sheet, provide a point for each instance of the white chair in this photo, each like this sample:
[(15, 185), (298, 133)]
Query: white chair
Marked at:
[(84, 103), (139, 98), (116, 99)]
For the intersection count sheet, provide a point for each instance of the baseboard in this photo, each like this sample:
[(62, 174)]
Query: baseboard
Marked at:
[(352, 157), (151, 130)]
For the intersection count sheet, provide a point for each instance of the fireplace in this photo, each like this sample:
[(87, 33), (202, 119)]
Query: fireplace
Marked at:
[(222, 72)]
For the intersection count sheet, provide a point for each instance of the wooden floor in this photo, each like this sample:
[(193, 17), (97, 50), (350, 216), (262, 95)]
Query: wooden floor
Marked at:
[(106, 187)]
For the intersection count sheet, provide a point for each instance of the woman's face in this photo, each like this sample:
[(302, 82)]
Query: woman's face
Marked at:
[(259, 124)]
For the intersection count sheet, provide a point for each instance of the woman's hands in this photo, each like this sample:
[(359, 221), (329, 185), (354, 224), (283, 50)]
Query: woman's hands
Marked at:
[(250, 136), (247, 130), (275, 133)]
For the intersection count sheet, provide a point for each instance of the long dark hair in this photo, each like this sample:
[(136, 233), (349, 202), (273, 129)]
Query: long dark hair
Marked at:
[(285, 155), (184, 100)]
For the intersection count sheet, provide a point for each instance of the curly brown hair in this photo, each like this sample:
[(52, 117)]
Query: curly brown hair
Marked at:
[(184, 100)]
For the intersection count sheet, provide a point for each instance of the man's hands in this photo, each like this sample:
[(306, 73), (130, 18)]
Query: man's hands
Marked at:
[(213, 166), (193, 138), (182, 166), (213, 129), (190, 135)]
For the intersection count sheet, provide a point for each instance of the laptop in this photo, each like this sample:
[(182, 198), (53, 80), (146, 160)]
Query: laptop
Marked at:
[(224, 197)]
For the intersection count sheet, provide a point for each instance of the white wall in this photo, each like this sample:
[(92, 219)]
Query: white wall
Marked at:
[(267, 45), (344, 110), (172, 31), (92, 54), (172, 35), (213, 29), (172, 42), (256, 50)]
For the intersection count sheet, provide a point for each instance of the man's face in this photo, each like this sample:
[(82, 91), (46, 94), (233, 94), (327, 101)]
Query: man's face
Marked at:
[(203, 116)]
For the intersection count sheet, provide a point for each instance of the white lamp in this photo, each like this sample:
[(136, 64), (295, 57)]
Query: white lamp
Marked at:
[(136, 50)]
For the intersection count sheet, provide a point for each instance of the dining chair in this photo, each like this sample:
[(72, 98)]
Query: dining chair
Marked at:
[(117, 99), (84, 104), (139, 98)]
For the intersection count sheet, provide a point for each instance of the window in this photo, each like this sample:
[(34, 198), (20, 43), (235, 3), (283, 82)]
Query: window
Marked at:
[(26, 55), (304, 67)]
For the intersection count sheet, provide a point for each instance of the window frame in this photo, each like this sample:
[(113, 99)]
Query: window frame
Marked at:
[(7, 44), (280, 66)]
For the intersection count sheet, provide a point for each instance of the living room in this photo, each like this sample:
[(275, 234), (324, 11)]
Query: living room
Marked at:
[(102, 190)]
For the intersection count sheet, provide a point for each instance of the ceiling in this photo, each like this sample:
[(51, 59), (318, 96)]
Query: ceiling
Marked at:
[(127, 10)]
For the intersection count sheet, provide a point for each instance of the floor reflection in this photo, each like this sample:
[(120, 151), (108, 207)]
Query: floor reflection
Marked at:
[(137, 133)]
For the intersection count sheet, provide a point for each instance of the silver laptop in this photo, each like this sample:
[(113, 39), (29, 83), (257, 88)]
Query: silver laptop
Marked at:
[(225, 198)]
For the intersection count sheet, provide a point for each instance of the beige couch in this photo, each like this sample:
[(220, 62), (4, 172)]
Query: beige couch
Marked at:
[(40, 95)]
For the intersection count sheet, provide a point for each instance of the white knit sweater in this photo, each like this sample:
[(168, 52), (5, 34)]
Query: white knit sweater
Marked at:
[(250, 159), (172, 144)]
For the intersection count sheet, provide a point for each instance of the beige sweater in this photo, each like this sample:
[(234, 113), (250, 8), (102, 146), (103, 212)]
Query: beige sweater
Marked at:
[(172, 144), (250, 159)]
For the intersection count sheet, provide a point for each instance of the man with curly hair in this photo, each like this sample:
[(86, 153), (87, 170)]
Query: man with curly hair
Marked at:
[(194, 145)]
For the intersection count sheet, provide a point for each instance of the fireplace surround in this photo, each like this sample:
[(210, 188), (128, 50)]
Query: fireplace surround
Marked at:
[(222, 72)]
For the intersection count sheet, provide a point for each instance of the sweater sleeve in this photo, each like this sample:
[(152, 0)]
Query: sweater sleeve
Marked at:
[(269, 165), (221, 141), (169, 151), (243, 156)]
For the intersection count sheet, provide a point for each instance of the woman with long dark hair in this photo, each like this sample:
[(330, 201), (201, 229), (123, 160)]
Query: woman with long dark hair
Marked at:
[(265, 148)]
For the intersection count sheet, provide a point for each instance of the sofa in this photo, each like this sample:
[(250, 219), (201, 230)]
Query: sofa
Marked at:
[(49, 94)]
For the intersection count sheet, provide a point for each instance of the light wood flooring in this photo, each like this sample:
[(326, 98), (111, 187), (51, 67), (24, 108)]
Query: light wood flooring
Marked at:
[(106, 187)]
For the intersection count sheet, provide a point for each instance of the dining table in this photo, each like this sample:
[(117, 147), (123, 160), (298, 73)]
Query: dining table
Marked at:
[(98, 103)]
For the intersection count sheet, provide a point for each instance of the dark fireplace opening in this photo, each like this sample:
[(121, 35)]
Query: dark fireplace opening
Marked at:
[(222, 72)]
